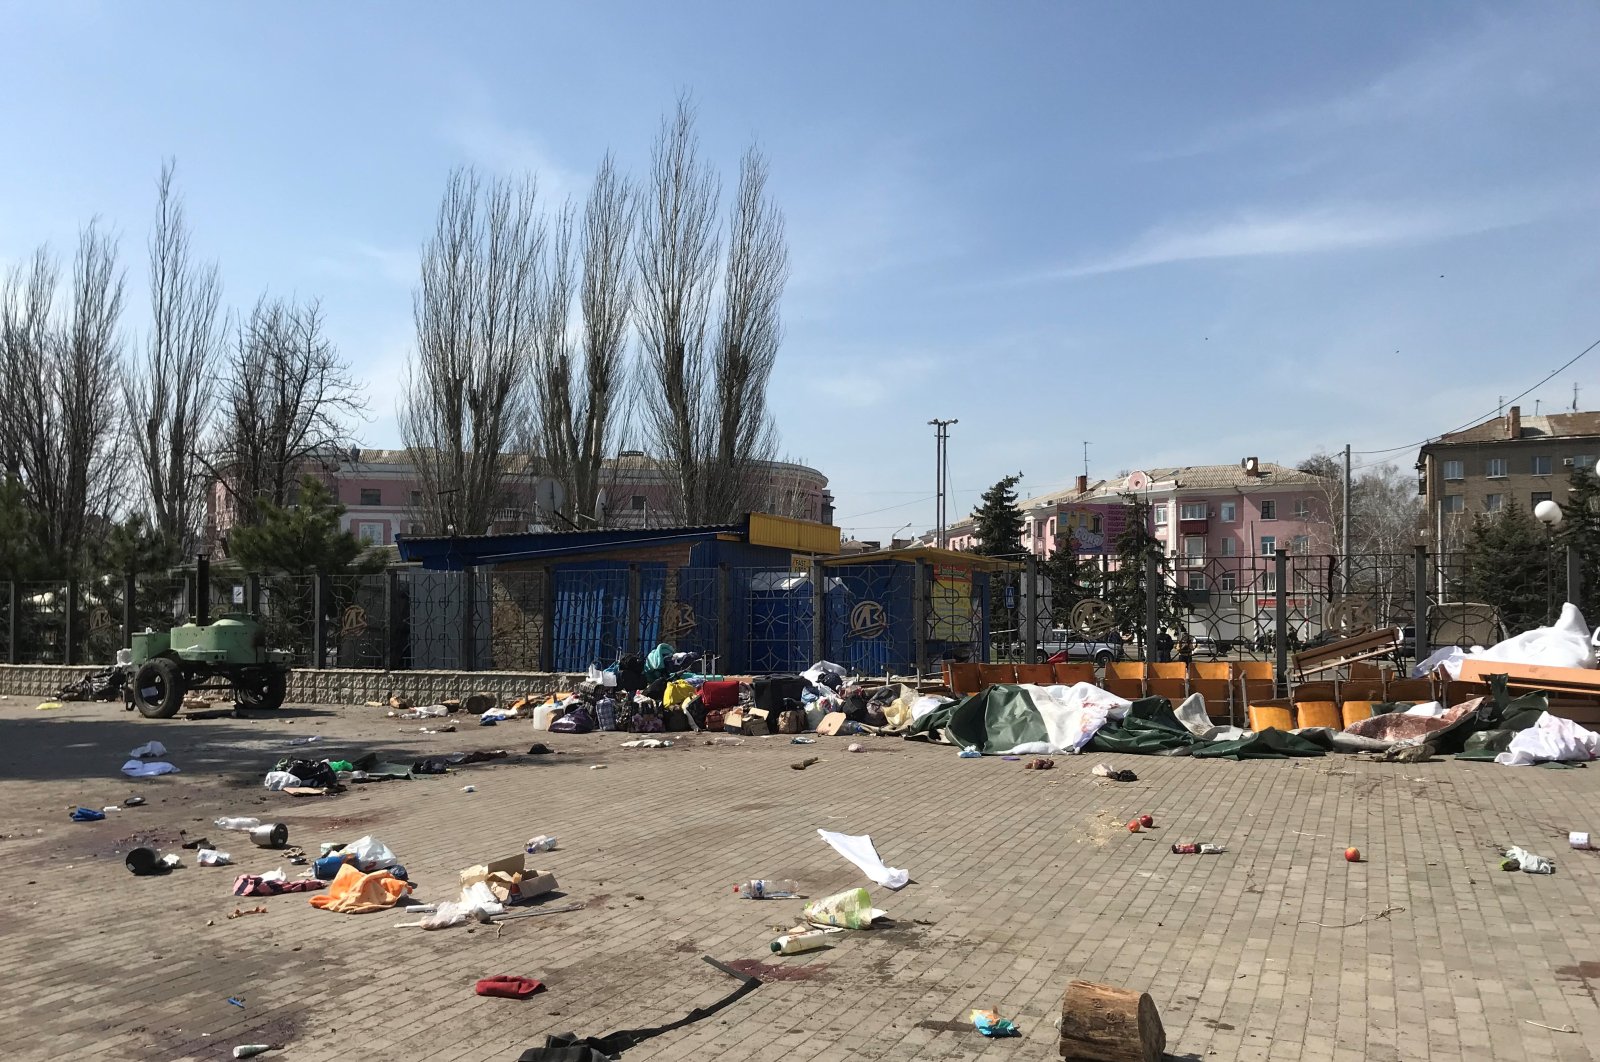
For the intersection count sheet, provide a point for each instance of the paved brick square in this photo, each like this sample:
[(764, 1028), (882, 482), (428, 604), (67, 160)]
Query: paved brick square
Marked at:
[(1021, 881)]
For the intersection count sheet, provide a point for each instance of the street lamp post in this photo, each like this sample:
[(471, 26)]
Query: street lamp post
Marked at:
[(1549, 514)]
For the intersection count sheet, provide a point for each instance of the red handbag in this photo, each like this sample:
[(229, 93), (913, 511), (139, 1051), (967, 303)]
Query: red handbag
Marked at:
[(720, 694)]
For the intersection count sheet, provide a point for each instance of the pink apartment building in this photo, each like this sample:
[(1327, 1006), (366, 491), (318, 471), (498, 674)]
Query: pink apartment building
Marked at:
[(382, 497)]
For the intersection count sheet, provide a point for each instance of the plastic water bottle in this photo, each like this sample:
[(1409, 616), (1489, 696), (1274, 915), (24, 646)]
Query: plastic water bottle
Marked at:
[(795, 943), (767, 889), (236, 824), (210, 857), (540, 843)]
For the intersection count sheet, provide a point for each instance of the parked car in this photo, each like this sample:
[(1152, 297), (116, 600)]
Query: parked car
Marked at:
[(1078, 647)]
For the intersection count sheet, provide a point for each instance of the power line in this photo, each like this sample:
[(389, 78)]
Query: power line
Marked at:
[(1475, 420)]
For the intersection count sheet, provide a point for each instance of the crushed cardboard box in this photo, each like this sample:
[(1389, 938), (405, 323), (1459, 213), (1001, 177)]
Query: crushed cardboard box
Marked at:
[(509, 879)]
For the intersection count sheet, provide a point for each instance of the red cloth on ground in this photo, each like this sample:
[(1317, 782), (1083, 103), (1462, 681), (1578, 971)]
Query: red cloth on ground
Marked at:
[(509, 986)]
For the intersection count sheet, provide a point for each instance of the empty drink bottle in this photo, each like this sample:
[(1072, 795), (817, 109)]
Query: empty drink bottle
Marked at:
[(767, 889)]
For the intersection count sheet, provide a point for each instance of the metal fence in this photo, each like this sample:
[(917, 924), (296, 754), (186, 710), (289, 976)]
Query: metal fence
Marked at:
[(874, 618)]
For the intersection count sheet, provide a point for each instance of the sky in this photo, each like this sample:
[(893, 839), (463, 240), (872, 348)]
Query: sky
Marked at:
[(1182, 233)]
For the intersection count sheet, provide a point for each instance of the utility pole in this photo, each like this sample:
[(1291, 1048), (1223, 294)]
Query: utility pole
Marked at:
[(1344, 526), (941, 471)]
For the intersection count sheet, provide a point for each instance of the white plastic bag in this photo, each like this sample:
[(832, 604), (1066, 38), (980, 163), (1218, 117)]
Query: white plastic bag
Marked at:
[(476, 902), (851, 909), (145, 769), (149, 750), (280, 780), (1550, 738), (602, 678), (859, 850), (371, 854)]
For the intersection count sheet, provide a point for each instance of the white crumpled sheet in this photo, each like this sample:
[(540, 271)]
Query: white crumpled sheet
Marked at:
[(1563, 644), (1072, 715), (147, 769), (1192, 714), (859, 850), (1550, 738)]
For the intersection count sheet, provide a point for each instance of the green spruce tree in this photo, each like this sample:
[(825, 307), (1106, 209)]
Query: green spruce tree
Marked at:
[(1509, 566), (1580, 530), (301, 539), (997, 525), (1125, 585)]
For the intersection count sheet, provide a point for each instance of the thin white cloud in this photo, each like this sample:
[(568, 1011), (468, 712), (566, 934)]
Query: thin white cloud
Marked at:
[(508, 150), (1261, 234), (365, 261)]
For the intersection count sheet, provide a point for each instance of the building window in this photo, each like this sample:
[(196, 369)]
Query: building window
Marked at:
[(1455, 470), (636, 503), (1454, 503), (1300, 544), (416, 529), (416, 499), (1541, 466), (371, 496), (1495, 468), (1197, 580), (1269, 545), (1194, 550), (1302, 508), (1192, 511), (1269, 582), (1493, 503), (1229, 512), (1536, 497), (1227, 547), (1227, 583), (1583, 462), (1160, 512), (370, 532), (1269, 510)]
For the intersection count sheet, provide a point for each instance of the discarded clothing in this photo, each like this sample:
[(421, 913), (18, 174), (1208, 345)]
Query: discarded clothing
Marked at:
[(353, 892), (149, 751), (313, 773), (280, 780), (259, 885), (145, 769), (1525, 861), (87, 815), (989, 1023), (859, 850), (1550, 738), (508, 986)]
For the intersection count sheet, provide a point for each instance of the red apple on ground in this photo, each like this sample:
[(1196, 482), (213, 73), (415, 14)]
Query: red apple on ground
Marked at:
[(1146, 821), (1352, 855), (1133, 825)]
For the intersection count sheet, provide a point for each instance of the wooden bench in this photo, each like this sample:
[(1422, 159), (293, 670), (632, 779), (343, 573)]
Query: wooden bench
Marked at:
[(1337, 654)]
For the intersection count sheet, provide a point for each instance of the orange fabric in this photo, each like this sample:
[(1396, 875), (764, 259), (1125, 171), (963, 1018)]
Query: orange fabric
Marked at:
[(353, 892)]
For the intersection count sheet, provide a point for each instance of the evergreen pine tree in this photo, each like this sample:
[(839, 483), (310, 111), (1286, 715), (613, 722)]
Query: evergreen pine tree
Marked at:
[(1125, 585), (997, 522), (301, 539), (1580, 530), (1509, 566)]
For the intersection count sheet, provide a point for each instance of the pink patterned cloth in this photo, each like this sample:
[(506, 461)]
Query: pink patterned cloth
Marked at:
[(1397, 726)]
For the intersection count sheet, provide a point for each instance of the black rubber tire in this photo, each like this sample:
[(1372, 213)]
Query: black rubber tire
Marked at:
[(165, 677), (267, 695), (1102, 658)]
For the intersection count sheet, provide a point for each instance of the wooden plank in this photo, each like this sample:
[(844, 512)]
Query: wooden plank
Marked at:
[(1533, 676)]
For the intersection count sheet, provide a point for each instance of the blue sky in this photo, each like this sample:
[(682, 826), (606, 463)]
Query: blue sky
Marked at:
[(1184, 232)]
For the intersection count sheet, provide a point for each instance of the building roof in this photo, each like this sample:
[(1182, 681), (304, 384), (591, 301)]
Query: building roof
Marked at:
[(630, 459), (1553, 426), (1185, 477)]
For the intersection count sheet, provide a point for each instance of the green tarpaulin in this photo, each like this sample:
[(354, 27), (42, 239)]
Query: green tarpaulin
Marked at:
[(1263, 744)]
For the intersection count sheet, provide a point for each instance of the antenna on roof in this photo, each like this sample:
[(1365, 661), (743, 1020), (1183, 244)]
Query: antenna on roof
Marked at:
[(1574, 396)]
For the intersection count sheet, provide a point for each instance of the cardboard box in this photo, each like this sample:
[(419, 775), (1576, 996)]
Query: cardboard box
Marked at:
[(509, 879)]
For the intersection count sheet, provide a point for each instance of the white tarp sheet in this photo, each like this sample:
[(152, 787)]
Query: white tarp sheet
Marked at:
[(859, 850), (1072, 715)]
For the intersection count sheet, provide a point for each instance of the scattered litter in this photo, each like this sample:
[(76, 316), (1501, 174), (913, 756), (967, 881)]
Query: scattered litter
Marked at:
[(144, 861), (1385, 913), (236, 1001), (199, 842), (1525, 861), (540, 843), (1552, 1028), (240, 913), (1579, 841), (251, 1050), (448, 728), (1191, 848), (540, 749), (48, 706), (1039, 763), (1100, 770), (142, 769), (149, 750), (508, 986), (133, 802), (237, 822), (725, 741), (210, 857), (469, 789), (851, 909), (306, 740), (970, 753), (110, 808), (476, 903), (87, 815), (807, 762), (802, 741), (855, 746), (281, 780), (597, 767), (262, 885), (647, 743), (991, 1024), (306, 790), (859, 850)]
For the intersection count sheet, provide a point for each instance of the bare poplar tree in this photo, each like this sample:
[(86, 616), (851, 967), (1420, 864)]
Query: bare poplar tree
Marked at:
[(578, 410), (705, 413), (288, 403), (171, 390), (743, 439), (677, 258), (62, 392), (477, 309)]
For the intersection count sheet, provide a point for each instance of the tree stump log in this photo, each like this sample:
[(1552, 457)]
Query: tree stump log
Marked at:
[(1103, 1023)]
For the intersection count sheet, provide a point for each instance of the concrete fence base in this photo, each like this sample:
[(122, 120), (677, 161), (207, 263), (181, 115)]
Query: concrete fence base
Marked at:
[(332, 685)]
